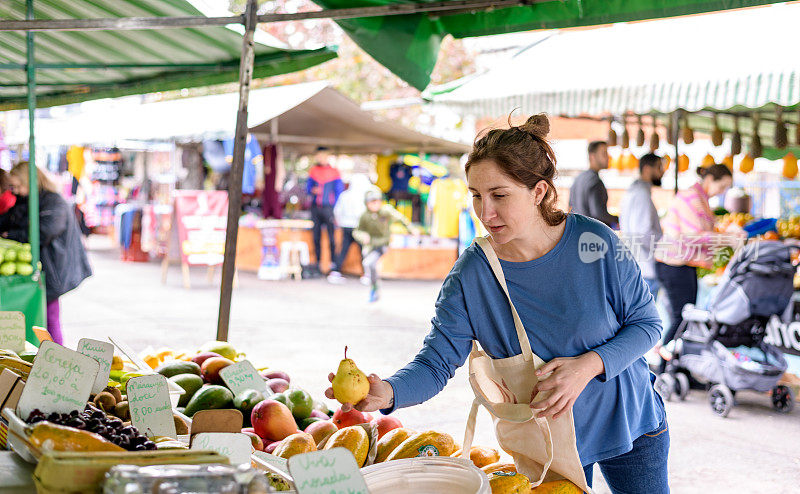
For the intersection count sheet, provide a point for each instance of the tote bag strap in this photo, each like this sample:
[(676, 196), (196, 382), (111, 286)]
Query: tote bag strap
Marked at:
[(494, 262), (544, 426)]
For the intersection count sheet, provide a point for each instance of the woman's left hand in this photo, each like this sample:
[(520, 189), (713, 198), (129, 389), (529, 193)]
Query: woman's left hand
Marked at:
[(568, 376)]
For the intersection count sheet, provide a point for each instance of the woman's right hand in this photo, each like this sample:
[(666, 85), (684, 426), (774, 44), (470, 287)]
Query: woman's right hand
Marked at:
[(380, 396)]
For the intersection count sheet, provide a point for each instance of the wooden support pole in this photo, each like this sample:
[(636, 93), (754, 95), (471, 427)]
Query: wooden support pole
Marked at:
[(237, 167)]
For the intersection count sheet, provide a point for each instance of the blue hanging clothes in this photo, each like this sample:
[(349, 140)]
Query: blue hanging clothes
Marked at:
[(252, 156)]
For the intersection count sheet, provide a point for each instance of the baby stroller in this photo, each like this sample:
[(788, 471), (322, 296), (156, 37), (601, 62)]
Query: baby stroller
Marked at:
[(756, 286)]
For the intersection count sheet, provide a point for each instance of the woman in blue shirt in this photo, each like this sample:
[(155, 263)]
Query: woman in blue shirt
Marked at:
[(583, 303)]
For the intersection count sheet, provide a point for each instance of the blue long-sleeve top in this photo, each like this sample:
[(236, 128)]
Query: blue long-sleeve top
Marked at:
[(578, 297)]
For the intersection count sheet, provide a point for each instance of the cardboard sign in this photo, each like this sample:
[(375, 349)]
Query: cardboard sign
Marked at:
[(42, 334), (236, 446), (274, 461), (103, 352), (151, 410), (201, 217), (60, 381), (323, 472), (12, 330), (242, 376)]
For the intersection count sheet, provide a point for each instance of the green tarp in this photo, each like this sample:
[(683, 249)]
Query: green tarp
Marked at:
[(409, 44), (24, 294)]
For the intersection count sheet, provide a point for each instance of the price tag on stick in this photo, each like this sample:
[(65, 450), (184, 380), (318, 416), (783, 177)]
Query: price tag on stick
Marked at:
[(61, 381), (242, 376), (101, 351), (12, 330), (323, 472), (151, 410), (235, 445)]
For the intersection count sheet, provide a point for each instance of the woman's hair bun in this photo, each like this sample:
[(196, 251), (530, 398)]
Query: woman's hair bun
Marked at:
[(537, 125)]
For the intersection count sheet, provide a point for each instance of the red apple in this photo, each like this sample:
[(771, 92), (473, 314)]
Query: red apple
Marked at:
[(278, 385), (346, 419), (275, 374), (272, 420), (258, 444), (202, 357), (270, 448), (386, 423), (320, 415)]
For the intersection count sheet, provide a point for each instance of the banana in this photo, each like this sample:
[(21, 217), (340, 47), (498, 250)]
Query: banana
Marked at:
[(16, 365)]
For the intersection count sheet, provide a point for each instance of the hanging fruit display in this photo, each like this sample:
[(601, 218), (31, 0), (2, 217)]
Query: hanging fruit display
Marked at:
[(683, 163), (708, 160), (728, 161), (626, 138), (755, 145), (716, 133), (640, 133), (631, 162), (747, 164), (797, 132), (736, 138), (687, 133), (781, 134), (667, 162), (612, 136), (789, 166), (654, 139), (671, 130)]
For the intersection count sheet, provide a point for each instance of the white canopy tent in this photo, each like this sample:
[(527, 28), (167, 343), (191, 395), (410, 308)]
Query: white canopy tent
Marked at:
[(729, 60), (300, 117)]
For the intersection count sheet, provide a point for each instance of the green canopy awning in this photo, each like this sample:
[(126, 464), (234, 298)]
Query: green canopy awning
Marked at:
[(165, 59), (409, 44)]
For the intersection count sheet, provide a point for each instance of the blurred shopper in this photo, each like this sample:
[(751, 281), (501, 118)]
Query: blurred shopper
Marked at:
[(348, 211), (688, 240), (373, 233), (588, 195), (639, 219), (324, 186), (7, 198), (64, 260)]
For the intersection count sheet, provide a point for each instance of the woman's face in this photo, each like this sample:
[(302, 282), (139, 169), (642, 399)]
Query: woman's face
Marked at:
[(717, 187), (506, 207), (16, 186)]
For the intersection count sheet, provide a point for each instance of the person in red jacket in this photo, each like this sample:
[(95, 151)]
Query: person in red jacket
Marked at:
[(324, 187), (7, 198)]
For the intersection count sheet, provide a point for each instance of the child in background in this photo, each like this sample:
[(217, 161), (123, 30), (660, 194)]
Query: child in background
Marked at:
[(373, 233)]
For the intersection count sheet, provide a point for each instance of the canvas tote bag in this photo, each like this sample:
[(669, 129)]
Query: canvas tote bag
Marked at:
[(543, 448)]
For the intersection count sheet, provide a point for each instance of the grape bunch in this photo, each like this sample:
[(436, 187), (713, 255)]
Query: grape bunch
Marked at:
[(95, 420)]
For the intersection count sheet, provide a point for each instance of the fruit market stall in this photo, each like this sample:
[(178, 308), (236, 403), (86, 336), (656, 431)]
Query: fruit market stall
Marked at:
[(76, 416)]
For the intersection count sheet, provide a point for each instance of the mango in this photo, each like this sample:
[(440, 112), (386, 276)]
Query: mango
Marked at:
[(509, 483), (430, 443), (321, 430), (273, 420), (353, 439), (390, 441), (220, 347), (482, 456), (209, 371), (296, 444), (557, 487)]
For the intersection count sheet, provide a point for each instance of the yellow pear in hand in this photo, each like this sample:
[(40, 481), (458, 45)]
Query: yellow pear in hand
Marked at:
[(350, 385)]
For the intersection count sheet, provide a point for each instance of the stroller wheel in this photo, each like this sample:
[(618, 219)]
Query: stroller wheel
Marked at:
[(721, 399), (782, 399), (665, 386), (681, 385)]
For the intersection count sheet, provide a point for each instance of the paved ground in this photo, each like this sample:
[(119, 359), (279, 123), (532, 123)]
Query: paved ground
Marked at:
[(302, 327)]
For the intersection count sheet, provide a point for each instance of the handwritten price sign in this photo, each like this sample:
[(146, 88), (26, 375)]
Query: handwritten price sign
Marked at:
[(151, 410), (332, 471), (60, 381), (101, 351), (242, 376), (236, 446), (12, 330)]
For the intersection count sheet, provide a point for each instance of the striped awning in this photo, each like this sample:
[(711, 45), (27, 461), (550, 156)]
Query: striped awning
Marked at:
[(167, 58), (725, 61)]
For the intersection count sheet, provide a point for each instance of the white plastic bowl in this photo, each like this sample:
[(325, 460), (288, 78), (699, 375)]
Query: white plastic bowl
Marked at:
[(429, 475)]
